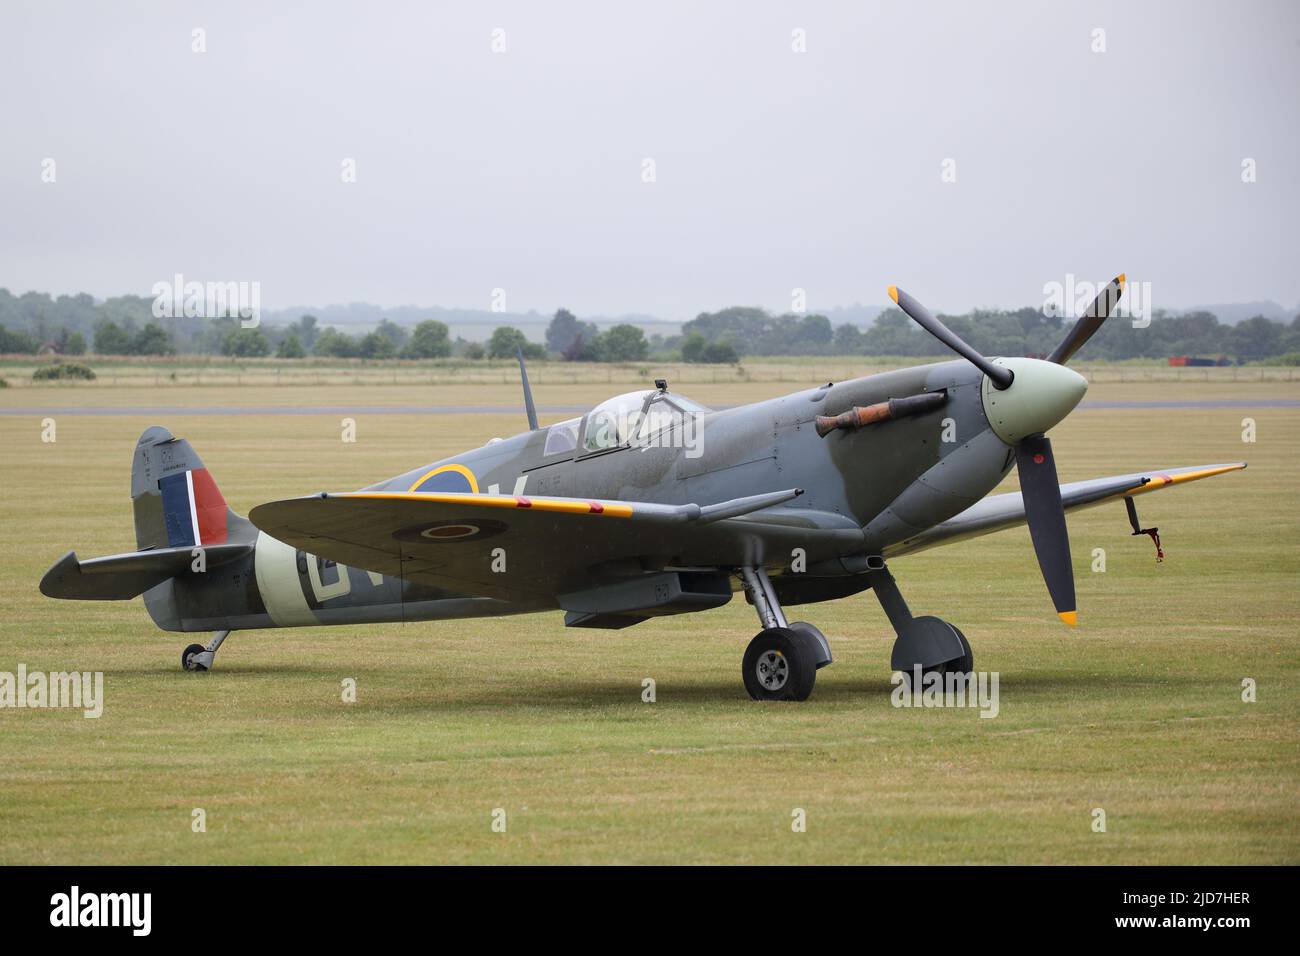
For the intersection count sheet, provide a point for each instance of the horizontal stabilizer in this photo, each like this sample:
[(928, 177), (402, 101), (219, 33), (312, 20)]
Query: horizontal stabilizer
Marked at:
[(120, 577)]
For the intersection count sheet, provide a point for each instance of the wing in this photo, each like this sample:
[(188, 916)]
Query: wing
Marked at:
[(528, 550), (1006, 511)]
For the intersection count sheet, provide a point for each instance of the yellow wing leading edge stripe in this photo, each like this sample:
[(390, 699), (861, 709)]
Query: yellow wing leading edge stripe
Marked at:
[(615, 510), (1162, 480)]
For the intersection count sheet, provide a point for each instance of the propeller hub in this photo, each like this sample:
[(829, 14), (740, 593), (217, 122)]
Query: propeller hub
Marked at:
[(1040, 395)]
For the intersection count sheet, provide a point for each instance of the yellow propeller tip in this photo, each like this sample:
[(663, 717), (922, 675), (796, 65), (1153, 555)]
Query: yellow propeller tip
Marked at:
[(1121, 278), (893, 293), (1069, 617)]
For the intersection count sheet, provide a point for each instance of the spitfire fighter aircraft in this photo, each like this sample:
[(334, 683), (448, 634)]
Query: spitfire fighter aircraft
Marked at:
[(648, 505)]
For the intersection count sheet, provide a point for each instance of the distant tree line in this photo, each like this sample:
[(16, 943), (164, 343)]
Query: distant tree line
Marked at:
[(750, 331), (125, 325)]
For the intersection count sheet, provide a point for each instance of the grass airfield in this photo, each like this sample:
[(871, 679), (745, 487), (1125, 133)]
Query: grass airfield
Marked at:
[(1138, 711)]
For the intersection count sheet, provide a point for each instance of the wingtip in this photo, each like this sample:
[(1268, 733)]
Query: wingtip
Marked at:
[(1069, 617), (893, 293)]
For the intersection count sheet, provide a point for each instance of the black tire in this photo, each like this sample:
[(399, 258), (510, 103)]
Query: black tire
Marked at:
[(792, 656), (189, 655), (958, 665), (966, 663)]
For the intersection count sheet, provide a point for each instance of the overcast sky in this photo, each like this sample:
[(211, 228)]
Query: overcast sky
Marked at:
[(523, 170)]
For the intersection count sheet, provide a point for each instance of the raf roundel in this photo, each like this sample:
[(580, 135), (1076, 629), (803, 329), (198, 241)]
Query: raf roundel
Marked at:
[(451, 532)]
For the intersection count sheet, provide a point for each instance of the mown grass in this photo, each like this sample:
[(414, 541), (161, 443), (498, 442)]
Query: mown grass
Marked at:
[(1137, 712)]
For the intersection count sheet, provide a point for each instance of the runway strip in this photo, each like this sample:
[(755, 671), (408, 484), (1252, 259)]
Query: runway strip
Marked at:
[(175, 411)]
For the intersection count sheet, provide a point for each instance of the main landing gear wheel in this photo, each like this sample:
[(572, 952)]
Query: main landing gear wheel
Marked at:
[(781, 661), (190, 658), (780, 664), (958, 665)]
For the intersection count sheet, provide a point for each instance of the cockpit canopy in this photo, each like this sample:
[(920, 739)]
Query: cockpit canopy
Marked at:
[(623, 420)]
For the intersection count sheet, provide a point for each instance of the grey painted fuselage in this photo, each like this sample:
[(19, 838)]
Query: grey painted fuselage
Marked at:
[(892, 479)]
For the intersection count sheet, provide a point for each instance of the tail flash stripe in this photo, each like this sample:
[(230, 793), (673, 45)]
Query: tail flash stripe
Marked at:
[(178, 515), (194, 511), (210, 509)]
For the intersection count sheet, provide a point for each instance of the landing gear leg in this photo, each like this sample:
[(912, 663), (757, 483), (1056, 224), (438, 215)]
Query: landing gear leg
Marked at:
[(196, 657), (781, 661), (927, 643)]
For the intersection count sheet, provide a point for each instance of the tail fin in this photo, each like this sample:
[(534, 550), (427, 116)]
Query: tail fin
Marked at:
[(176, 501), (178, 508)]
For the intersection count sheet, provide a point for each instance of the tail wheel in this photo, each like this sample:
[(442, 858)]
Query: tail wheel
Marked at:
[(779, 664), (189, 657)]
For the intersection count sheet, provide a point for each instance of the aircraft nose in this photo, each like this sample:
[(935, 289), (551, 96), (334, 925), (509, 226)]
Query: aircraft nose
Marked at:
[(1040, 395)]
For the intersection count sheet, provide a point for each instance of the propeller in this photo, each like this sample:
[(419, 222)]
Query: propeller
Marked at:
[(1090, 321), (1022, 410)]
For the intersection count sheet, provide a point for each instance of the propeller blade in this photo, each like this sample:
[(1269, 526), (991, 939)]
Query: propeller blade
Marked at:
[(1090, 321), (1042, 496), (1001, 377)]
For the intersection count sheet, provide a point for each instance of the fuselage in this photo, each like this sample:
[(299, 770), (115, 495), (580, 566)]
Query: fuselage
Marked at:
[(893, 479)]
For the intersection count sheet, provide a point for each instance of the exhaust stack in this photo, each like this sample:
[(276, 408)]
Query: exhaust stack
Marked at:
[(859, 415)]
